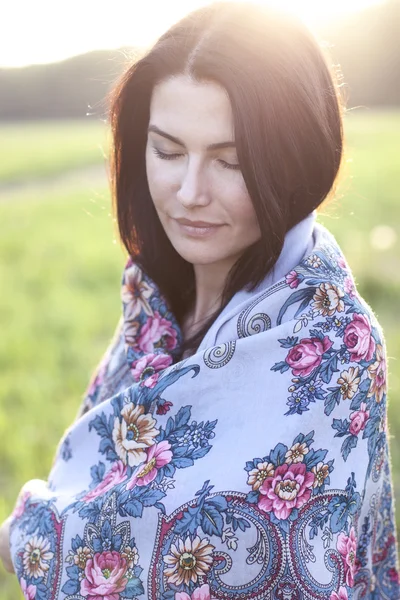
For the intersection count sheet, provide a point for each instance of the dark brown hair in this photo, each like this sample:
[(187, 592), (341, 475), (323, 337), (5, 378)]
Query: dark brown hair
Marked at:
[(287, 111)]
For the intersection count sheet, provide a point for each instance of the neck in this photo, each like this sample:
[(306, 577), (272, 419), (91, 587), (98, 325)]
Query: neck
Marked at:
[(210, 281)]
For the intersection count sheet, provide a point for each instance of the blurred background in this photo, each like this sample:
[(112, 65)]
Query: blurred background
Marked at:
[(60, 261)]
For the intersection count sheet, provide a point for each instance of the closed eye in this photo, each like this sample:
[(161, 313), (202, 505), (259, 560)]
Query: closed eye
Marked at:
[(165, 156), (228, 165)]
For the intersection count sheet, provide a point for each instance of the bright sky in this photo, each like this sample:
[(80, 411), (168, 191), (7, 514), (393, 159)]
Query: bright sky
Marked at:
[(40, 31)]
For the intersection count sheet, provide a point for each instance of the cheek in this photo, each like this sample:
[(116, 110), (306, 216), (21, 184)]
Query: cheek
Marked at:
[(242, 211), (153, 174), (158, 178), (249, 225)]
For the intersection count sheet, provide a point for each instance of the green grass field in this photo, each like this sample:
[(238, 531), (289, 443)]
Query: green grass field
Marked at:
[(60, 269), (38, 149)]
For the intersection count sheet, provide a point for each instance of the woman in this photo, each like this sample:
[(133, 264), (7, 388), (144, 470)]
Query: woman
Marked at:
[(233, 441)]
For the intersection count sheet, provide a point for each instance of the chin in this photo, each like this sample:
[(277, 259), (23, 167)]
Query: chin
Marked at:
[(196, 258), (200, 255)]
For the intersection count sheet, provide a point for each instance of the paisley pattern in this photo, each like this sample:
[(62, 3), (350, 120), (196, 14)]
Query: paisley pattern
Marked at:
[(275, 521), (219, 356), (258, 468)]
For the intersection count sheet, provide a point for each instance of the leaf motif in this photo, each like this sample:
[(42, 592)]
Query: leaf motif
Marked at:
[(182, 463), (354, 503), (134, 588), (328, 368), (289, 342), (71, 587), (341, 426), (182, 416), (190, 521), (313, 457), (179, 451), (106, 530), (361, 396), (169, 470), (304, 295), (219, 502), (111, 455), (42, 593), (243, 524), (331, 400), (117, 542), (349, 443), (281, 366), (371, 427), (97, 472), (169, 595), (316, 334), (100, 424), (339, 516), (167, 380), (252, 497), (118, 404), (160, 506), (73, 573), (309, 438), (133, 507), (277, 455), (169, 427), (200, 452), (151, 497), (75, 543), (105, 444), (212, 522)]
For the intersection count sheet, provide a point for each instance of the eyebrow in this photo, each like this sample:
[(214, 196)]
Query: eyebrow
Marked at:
[(176, 140)]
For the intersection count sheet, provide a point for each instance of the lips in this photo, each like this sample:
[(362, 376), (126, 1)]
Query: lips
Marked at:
[(197, 223), (197, 228)]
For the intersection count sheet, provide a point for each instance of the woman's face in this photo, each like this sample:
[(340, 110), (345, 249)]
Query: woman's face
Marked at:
[(193, 173)]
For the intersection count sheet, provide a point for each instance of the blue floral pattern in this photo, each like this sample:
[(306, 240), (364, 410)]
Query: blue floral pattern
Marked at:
[(258, 468)]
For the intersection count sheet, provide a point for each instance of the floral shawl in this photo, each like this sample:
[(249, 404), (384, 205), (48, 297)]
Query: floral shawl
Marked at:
[(258, 468)]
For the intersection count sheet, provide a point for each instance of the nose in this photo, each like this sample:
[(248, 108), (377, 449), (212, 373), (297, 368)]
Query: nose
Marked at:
[(193, 189)]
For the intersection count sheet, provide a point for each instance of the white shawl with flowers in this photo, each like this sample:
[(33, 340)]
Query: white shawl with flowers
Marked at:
[(258, 468)]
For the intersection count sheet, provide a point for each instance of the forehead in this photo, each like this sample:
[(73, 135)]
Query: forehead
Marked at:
[(198, 112)]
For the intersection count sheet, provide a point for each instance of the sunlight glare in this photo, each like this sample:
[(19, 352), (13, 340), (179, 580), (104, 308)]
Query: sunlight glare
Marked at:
[(75, 27)]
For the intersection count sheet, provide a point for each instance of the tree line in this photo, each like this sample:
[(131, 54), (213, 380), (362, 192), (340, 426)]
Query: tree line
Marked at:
[(363, 47)]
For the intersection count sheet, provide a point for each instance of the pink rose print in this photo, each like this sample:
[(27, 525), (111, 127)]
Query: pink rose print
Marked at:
[(292, 279), (358, 419), (158, 456), (29, 591), (289, 488), (157, 332), (307, 355), (340, 595), (104, 576), (146, 368), (347, 547), (201, 593), (117, 474), (358, 339)]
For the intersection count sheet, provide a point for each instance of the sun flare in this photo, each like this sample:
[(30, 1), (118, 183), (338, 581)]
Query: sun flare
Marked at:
[(77, 27)]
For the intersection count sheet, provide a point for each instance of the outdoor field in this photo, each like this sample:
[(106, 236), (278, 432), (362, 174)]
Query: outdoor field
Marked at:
[(61, 265)]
